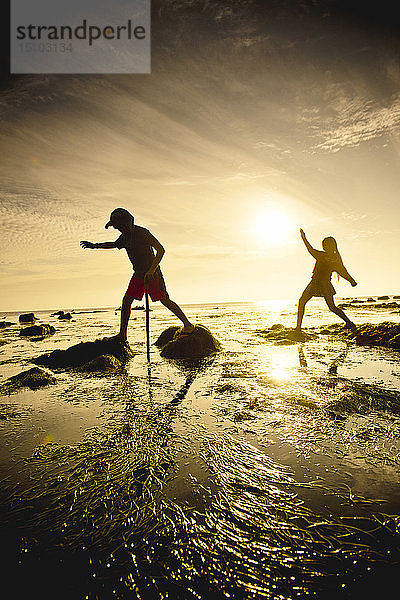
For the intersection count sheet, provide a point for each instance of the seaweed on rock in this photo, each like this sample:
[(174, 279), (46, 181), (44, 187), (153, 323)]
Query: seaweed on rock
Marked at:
[(34, 379), (79, 354), (193, 346), (283, 336), (369, 334), (103, 364)]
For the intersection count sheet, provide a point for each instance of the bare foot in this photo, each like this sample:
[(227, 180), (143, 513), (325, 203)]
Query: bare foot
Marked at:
[(297, 335), (118, 337), (187, 329)]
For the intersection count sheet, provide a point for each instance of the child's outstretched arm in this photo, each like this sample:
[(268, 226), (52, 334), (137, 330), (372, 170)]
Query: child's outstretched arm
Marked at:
[(103, 245), (315, 253)]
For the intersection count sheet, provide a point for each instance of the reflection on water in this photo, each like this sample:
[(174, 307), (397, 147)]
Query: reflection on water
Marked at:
[(278, 363), (253, 474)]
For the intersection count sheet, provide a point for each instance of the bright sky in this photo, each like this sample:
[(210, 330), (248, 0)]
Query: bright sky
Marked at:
[(249, 127)]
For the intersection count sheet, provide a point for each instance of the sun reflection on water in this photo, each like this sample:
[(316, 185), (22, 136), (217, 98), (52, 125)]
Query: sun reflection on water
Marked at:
[(281, 364)]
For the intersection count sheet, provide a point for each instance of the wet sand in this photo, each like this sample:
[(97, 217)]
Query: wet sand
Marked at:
[(266, 471)]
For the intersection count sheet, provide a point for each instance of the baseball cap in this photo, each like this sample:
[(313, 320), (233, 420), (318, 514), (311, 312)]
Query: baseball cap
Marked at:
[(120, 215)]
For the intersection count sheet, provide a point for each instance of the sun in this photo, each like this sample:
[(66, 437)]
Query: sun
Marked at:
[(273, 227)]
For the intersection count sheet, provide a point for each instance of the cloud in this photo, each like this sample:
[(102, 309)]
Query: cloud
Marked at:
[(358, 122)]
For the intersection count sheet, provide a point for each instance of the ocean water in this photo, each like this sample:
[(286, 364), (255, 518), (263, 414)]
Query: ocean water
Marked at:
[(267, 471)]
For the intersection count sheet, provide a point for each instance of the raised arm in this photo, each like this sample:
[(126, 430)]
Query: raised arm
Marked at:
[(315, 253), (93, 246)]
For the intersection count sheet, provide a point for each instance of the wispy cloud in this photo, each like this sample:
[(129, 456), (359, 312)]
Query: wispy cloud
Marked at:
[(358, 122)]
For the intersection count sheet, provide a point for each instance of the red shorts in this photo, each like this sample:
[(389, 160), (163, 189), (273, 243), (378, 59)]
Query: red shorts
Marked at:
[(155, 287)]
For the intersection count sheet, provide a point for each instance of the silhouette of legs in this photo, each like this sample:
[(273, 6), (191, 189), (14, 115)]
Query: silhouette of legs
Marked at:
[(178, 312), (304, 298), (338, 311), (126, 313)]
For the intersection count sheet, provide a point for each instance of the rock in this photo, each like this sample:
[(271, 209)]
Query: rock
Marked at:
[(196, 345), (38, 330), (396, 297), (351, 304), (388, 305), (34, 379), (65, 316), (57, 314), (4, 324), (284, 336), (105, 363), (383, 297), (380, 334), (88, 312), (371, 300), (166, 336), (380, 305), (79, 354), (27, 318)]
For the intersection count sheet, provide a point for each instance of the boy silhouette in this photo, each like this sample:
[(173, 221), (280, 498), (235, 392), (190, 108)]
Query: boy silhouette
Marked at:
[(140, 244)]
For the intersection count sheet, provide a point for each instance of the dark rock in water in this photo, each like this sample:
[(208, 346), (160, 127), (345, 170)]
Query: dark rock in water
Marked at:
[(379, 305), (193, 346), (352, 304), (4, 324), (380, 334), (383, 297), (88, 312), (82, 353), (103, 364), (396, 297), (65, 316), (34, 379), (27, 318), (372, 299), (284, 336), (38, 330), (57, 314), (167, 335), (388, 305)]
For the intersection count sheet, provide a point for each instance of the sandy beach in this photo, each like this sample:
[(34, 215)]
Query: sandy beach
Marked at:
[(268, 470)]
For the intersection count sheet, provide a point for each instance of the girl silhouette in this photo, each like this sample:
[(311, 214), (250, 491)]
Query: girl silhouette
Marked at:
[(327, 262)]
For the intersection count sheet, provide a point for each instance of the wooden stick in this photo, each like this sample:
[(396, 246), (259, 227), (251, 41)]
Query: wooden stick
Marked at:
[(146, 295)]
